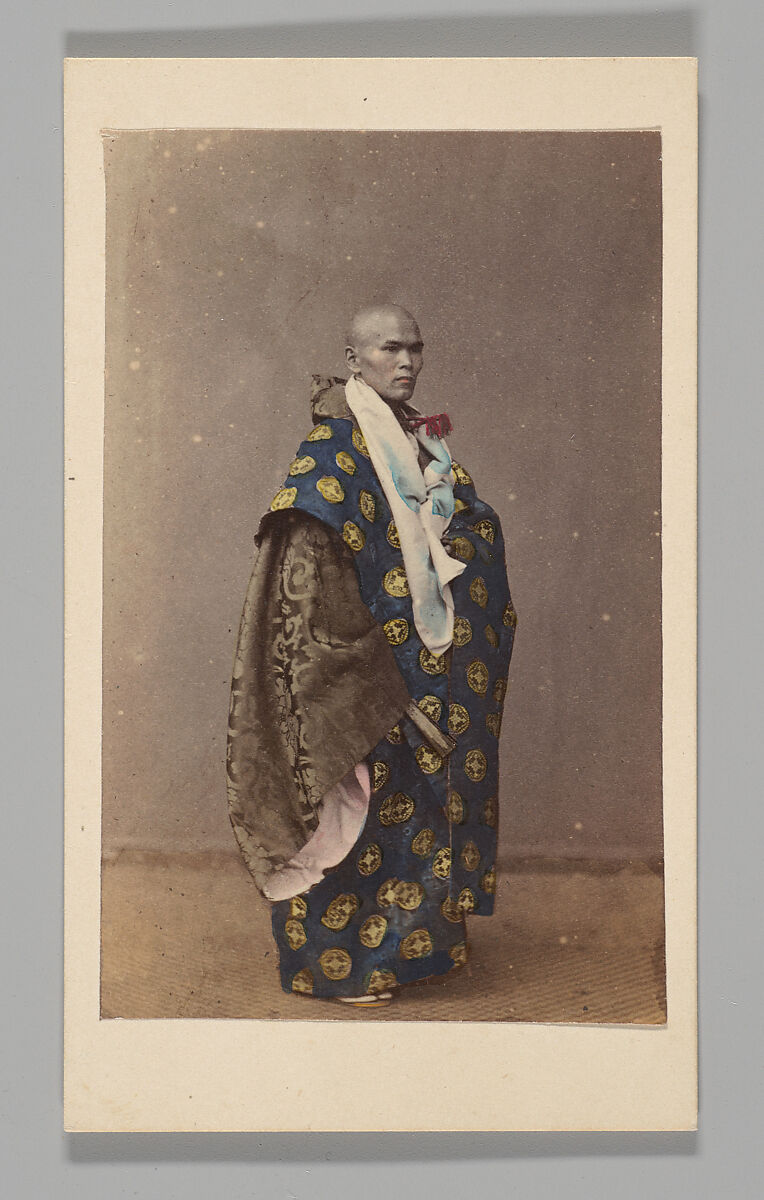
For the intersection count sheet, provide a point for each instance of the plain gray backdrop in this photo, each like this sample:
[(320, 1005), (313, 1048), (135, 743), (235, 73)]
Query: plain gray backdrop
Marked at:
[(725, 1158)]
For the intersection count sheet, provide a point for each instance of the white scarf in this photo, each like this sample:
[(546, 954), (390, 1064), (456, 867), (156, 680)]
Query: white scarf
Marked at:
[(422, 504)]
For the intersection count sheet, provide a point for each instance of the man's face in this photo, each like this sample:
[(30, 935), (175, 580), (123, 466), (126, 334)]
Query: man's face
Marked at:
[(387, 355)]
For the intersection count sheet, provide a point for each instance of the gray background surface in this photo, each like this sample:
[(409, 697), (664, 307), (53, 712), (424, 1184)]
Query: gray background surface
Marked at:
[(725, 1158), (533, 265)]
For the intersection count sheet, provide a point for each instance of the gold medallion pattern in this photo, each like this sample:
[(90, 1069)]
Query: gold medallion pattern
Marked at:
[(386, 893), (500, 690), (381, 981), (491, 812), (491, 636), (395, 582), (475, 766), (396, 631), (295, 934), (320, 433), (459, 953), (479, 591), (431, 707), (463, 477), (428, 760), (463, 548), (370, 859), (335, 963), (395, 736), (441, 864), (455, 808), (355, 537), (509, 617), (458, 718), (477, 677), (462, 631), (418, 944), (432, 664), (284, 498), (493, 723), (298, 907), (486, 529), (488, 881), (451, 911), (467, 902), (331, 489), (459, 505), (470, 856), (380, 773), (396, 809), (303, 982), (359, 441), (393, 536), (301, 466), (345, 462), (367, 505), (372, 931), (423, 843), (408, 895), (341, 911)]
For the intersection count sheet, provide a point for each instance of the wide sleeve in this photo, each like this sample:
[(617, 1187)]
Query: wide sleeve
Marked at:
[(315, 687)]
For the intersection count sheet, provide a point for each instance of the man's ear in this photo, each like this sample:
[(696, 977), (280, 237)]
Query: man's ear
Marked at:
[(352, 359)]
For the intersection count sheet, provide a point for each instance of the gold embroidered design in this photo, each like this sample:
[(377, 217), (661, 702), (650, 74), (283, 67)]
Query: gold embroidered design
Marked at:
[(459, 954), (500, 690), (462, 631), (459, 505), (345, 462), (395, 736), (451, 911), (488, 881), (295, 934), (284, 498), (372, 931), (381, 981), (486, 529), (477, 677), (493, 723), (479, 591), (341, 910), (335, 963), (463, 477), (396, 809), (454, 809), (467, 902), (386, 893), (408, 895), (491, 636), (431, 707), (395, 582), (470, 857), (428, 760), (380, 773), (367, 506), (301, 466), (320, 433), (441, 864), (458, 718), (396, 631), (432, 664), (491, 812), (370, 859), (509, 617), (303, 982), (359, 441), (355, 537), (298, 907), (331, 489), (423, 843), (463, 548), (393, 536), (475, 766), (418, 944)]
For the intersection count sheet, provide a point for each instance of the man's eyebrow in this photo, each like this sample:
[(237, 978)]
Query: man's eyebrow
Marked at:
[(392, 344)]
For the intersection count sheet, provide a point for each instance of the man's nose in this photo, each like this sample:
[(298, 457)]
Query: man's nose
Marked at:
[(405, 358)]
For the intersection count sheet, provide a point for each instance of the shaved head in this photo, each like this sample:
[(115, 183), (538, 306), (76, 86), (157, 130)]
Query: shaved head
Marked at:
[(384, 348)]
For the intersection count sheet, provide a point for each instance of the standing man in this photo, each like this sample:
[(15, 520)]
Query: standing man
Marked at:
[(368, 687)]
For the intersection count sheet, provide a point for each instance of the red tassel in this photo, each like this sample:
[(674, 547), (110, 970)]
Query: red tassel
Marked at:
[(438, 425)]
